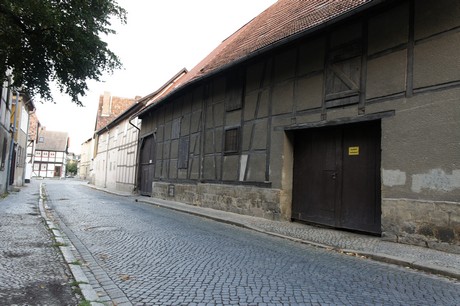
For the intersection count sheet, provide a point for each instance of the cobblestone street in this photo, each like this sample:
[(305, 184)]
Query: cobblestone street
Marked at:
[(139, 254)]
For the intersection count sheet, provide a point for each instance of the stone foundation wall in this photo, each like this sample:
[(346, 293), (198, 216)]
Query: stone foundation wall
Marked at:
[(246, 200), (426, 223)]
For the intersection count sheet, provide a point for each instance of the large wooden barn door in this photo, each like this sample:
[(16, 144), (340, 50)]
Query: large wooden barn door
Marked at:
[(337, 176), (147, 165)]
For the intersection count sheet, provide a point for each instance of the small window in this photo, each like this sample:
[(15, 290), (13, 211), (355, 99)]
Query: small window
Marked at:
[(41, 139), (232, 140)]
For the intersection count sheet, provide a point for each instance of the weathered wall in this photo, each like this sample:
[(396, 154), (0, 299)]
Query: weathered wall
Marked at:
[(86, 163), (399, 66), (248, 200), (115, 161)]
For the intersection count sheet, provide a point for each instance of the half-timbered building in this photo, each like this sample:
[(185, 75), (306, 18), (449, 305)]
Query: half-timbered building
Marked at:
[(338, 113), (50, 154)]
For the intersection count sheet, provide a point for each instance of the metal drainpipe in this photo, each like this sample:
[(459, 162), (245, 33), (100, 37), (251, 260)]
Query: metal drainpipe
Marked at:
[(107, 157), (136, 167), (10, 158)]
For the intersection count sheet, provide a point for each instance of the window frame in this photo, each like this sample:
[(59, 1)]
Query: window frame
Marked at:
[(235, 143)]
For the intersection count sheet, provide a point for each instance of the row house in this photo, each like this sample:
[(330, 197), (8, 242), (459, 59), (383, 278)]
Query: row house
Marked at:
[(338, 113), (22, 109), (85, 166), (116, 142), (32, 139), (105, 143), (15, 110), (5, 134), (50, 154)]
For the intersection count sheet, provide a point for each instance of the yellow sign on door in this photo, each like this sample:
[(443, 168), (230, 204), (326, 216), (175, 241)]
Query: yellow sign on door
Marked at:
[(353, 151)]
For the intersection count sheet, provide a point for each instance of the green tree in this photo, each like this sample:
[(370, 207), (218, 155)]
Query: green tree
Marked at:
[(57, 40), (71, 167)]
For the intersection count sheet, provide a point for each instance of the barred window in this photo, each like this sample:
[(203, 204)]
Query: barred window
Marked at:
[(232, 140)]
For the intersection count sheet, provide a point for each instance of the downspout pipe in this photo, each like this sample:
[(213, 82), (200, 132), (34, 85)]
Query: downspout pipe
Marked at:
[(136, 168), (107, 157)]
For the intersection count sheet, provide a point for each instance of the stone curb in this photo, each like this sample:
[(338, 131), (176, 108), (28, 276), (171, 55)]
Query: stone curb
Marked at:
[(65, 248)]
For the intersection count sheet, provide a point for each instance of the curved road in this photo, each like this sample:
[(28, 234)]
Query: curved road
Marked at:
[(139, 254)]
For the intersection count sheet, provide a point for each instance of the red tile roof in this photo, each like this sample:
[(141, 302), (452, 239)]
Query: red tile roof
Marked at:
[(117, 106), (281, 21)]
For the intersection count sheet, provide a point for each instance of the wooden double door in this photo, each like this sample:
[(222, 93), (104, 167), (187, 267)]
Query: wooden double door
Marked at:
[(337, 176)]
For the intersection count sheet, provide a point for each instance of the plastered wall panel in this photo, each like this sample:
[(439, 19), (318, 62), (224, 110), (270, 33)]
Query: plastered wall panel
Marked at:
[(282, 100), (250, 104), (264, 101), (230, 168), (209, 142), (233, 118), (309, 92), (196, 122), (430, 167), (185, 125), (346, 34), (218, 89), (254, 75), (256, 168), (218, 110), (174, 149), (285, 66), (386, 75), (173, 169), (437, 61), (433, 17), (211, 167), (311, 56), (259, 141), (389, 29)]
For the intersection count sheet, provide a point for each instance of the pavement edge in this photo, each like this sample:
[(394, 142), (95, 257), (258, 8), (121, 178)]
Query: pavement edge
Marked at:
[(65, 247)]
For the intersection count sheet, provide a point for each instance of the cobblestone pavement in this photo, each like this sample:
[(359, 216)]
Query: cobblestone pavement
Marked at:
[(32, 271), (139, 254)]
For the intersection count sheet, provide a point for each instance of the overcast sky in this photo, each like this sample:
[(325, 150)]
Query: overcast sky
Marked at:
[(160, 38)]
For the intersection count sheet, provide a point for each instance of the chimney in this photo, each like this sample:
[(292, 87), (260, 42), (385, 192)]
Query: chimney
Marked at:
[(106, 104)]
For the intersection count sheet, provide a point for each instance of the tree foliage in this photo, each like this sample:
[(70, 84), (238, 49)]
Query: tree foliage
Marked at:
[(57, 40), (71, 167)]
